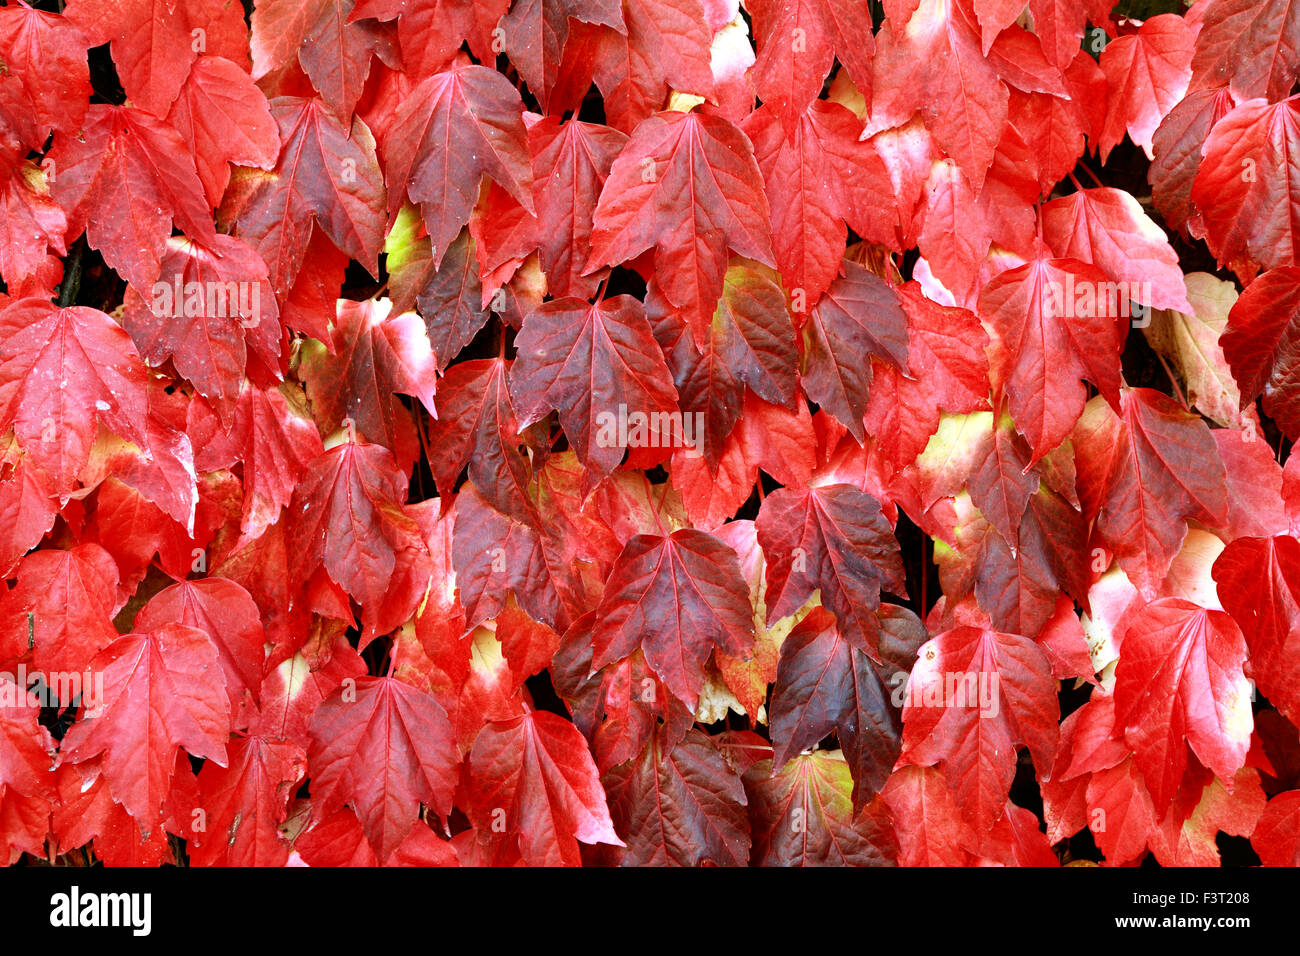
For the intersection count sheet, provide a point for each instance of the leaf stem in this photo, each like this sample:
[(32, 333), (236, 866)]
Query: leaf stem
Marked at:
[(1173, 380)]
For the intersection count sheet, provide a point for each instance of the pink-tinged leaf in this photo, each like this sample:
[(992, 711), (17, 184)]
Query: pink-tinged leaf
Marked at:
[(1108, 228), (1144, 473), (383, 747), (126, 178), (1180, 682), (375, 355), (163, 691), (931, 830), (1147, 72), (1056, 324), (1247, 184), (972, 698), (56, 365)]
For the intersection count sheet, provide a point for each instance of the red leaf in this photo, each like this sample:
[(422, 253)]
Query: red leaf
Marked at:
[(666, 46), (154, 42), (824, 684), (1255, 46), (571, 162), (679, 806), (596, 365), (347, 517), (163, 691), (803, 816), (30, 220), (1148, 72), (798, 41), (930, 828), (533, 778), (1180, 678), (1262, 345), (537, 30), (1107, 228), (859, 316), (1246, 186), (383, 747), (326, 174), (246, 802), (675, 597), (333, 51), (973, 696), (211, 310), (835, 539), (455, 128), (228, 615), (478, 428), (224, 118), (1259, 583), (126, 178), (56, 364), (1143, 473), (68, 598), (686, 184), (375, 355), (46, 54), (1056, 323)]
